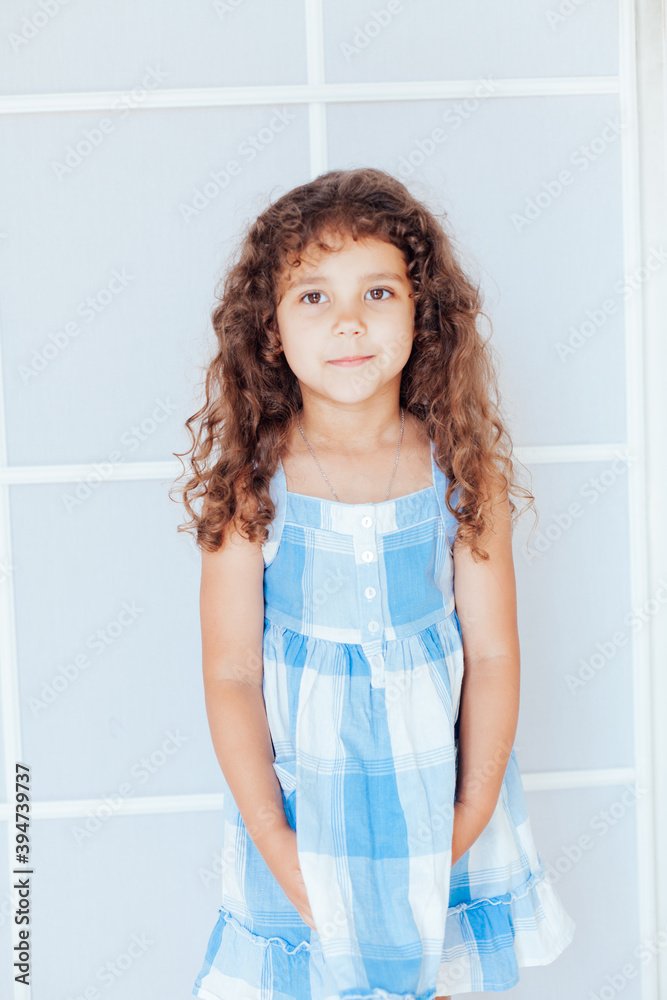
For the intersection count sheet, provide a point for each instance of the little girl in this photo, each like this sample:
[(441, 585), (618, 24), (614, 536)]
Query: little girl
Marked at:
[(363, 709)]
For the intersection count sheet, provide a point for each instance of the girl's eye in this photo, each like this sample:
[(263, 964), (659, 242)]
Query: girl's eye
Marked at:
[(307, 297), (308, 294), (375, 299)]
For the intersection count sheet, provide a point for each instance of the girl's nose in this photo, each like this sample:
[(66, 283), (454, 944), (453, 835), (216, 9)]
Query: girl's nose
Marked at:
[(348, 322)]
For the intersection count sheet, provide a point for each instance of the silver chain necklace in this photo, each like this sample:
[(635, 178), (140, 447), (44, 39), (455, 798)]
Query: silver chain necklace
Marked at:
[(322, 470)]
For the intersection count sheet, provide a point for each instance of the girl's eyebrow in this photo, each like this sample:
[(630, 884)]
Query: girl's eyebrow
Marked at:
[(377, 276)]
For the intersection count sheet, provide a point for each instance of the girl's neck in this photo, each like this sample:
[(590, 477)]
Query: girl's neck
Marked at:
[(349, 435), (359, 474)]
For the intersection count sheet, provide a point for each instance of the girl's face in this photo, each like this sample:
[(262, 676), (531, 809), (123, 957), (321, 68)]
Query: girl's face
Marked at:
[(354, 302)]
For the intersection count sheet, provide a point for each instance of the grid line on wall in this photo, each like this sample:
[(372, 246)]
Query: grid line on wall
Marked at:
[(23, 475), (311, 93), (146, 805)]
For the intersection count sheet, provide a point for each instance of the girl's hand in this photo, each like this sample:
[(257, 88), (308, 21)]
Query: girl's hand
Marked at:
[(284, 864), (295, 890), (468, 825)]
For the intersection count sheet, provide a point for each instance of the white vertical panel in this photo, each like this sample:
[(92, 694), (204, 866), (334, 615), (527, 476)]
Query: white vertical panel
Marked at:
[(317, 110), (634, 248), (651, 54)]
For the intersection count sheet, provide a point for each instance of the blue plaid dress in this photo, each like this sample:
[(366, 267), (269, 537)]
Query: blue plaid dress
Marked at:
[(363, 665)]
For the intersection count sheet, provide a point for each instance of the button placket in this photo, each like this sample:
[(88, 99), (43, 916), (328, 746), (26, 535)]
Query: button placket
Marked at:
[(366, 540)]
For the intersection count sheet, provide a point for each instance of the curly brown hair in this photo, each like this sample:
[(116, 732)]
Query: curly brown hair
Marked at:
[(252, 396)]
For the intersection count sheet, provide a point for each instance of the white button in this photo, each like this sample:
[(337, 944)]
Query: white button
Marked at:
[(367, 556), (367, 521), (373, 626), (370, 593)]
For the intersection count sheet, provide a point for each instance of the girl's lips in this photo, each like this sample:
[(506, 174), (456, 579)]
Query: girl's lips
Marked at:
[(351, 364)]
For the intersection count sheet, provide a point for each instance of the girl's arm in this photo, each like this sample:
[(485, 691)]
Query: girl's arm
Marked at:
[(485, 594), (232, 628)]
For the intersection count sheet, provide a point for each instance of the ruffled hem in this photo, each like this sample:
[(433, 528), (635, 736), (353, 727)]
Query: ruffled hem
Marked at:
[(241, 964), (263, 942), (527, 926)]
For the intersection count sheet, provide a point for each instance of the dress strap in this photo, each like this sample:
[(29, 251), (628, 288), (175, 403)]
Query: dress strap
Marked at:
[(278, 491), (440, 481)]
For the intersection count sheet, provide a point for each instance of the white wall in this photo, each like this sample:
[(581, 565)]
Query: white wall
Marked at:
[(157, 98)]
